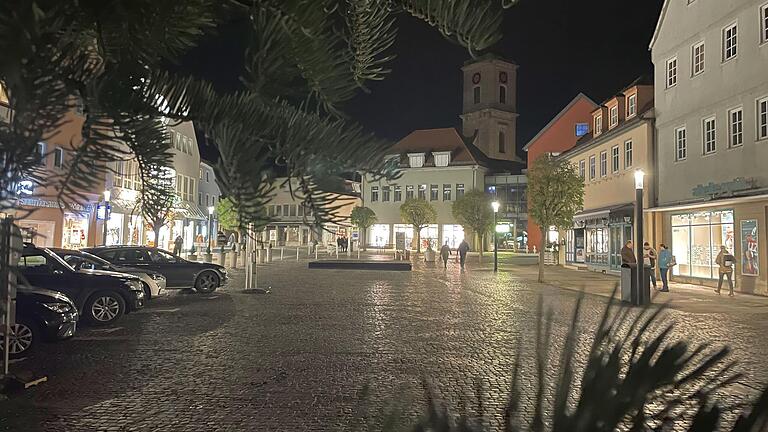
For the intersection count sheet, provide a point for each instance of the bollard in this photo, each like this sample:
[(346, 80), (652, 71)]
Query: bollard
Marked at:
[(297, 253), (337, 253), (281, 253), (315, 253), (358, 253)]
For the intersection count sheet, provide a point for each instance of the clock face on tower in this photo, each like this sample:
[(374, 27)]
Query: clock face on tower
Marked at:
[(503, 77), (476, 78)]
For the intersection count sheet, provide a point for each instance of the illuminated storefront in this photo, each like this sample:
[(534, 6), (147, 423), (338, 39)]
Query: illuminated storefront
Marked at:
[(379, 235), (453, 235), (39, 232), (696, 241)]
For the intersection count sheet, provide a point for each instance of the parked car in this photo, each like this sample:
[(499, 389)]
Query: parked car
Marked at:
[(41, 315), (153, 282), (179, 273), (101, 297)]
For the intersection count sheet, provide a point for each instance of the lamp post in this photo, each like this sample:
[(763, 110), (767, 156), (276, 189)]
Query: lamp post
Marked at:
[(641, 297), (107, 195), (210, 227), (495, 206)]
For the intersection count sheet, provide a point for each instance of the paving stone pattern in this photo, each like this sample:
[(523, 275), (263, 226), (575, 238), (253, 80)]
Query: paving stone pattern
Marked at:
[(326, 350)]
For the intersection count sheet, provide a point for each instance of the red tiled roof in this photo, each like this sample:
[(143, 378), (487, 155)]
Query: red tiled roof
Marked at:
[(435, 140)]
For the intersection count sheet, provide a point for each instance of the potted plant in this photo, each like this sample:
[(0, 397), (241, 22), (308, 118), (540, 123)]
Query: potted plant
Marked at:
[(193, 253)]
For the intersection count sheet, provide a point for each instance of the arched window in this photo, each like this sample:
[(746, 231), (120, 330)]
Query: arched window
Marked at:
[(502, 94)]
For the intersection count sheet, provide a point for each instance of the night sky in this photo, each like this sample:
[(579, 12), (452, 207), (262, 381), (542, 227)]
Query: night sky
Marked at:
[(563, 47)]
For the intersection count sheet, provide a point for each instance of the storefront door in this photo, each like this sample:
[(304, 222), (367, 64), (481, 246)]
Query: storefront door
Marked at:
[(75, 231)]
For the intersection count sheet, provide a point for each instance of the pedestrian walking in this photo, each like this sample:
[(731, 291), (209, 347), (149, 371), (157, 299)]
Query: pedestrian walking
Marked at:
[(649, 260), (463, 249), (665, 262), (627, 255), (178, 244), (725, 260), (445, 252)]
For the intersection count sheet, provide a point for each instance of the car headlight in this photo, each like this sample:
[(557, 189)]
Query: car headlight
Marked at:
[(59, 307), (134, 285), (157, 277)]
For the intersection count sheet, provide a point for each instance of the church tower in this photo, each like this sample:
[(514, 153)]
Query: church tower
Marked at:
[(490, 106)]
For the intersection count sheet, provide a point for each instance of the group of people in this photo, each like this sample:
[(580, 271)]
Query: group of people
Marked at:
[(445, 253), (342, 243), (666, 261)]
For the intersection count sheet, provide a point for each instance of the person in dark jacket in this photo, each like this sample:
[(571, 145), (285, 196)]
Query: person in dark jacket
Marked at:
[(178, 245), (445, 252), (463, 249), (627, 255)]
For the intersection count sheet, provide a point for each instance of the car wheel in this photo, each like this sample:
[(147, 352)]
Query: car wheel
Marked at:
[(147, 291), (104, 308), (23, 339), (207, 282)]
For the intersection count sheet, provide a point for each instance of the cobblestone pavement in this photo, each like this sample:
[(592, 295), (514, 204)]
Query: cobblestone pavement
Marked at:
[(300, 358)]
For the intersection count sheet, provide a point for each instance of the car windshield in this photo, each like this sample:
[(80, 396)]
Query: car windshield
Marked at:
[(96, 260)]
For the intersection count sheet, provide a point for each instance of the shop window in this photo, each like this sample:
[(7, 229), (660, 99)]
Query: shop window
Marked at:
[(378, 235), (696, 241)]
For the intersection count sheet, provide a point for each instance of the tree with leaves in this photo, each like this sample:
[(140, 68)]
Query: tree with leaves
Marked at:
[(555, 194), (226, 214), (363, 218), (473, 212), (157, 201), (419, 213)]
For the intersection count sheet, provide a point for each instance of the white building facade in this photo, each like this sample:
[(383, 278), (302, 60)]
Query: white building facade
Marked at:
[(711, 104)]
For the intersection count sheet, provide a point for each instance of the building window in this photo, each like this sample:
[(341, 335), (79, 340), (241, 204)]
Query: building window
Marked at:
[(278, 210), (433, 194), (592, 167), (446, 192), (697, 59), (696, 241), (207, 199), (614, 120), (582, 169), (207, 177), (502, 94), (422, 192), (476, 94), (598, 125), (374, 193), (631, 105), (627, 154), (293, 209), (709, 135), (681, 144), (286, 209), (603, 163), (502, 143), (730, 42), (672, 72), (582, 129), (762, 118), (385, 192), (40, 153), (459, 190), (409, 192), (615, 163), (764, 23), (58, 157), (736, 127), (301, 210), (399, 193)]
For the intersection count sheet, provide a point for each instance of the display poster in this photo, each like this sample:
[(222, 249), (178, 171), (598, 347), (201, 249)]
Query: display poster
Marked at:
[(749, 248)]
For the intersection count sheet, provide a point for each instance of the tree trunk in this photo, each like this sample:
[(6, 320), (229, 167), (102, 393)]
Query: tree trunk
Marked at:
[(541, 254), (363, 239), (481, 238), (156, 229), (418, 240)]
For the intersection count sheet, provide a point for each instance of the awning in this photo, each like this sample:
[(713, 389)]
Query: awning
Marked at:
[(190, 210), (710, 203), (602, 212)]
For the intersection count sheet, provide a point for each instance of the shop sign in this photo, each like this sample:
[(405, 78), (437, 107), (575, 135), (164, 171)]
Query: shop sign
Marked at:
[(726, 188), (502, 228), (750, 261), (400, 241), (34, 202)]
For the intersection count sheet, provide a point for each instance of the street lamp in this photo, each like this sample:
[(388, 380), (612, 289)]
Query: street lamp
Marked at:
[(210, 226), (642, 296), (495, 206), (107, 195)]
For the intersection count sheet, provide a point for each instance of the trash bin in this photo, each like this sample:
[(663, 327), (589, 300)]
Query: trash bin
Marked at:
[(629, 291)]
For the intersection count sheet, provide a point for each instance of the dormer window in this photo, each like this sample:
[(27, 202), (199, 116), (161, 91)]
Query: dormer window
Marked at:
[(442, 159), (631, 105), (598, 124), (614, 119), (416, 160)]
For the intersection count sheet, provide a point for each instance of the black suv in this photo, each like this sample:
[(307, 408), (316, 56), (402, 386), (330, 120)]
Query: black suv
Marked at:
[(101, 297), (179, 273), (41, 315)]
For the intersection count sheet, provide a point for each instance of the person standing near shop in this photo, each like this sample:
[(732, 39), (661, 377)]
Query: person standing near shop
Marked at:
[(178, 243), (665, 260), (649, 260), (725, 261), (445, 252), (627, 255), (463, 249)]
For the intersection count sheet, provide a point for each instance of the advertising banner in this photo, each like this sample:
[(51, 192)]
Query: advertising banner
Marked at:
[(749, 248)]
